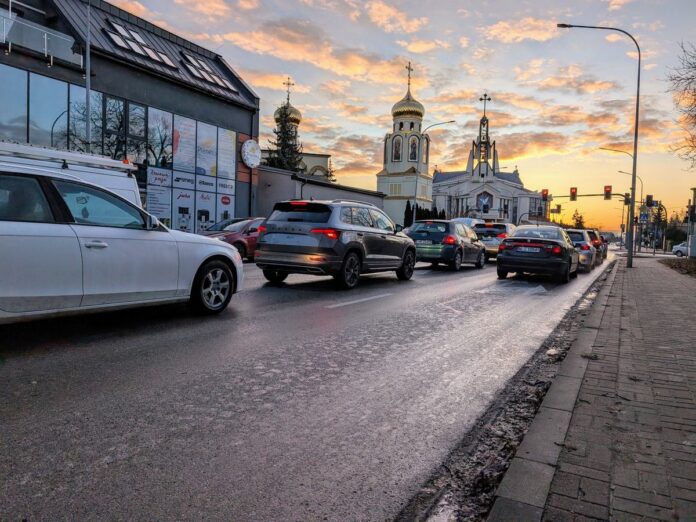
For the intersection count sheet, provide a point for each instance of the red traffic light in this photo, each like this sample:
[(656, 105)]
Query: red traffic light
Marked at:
[(573, 193), (545, 195), (607, 191)]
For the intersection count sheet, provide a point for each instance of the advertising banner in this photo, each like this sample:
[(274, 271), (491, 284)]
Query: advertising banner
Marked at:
[(159, 203), (184, 144), (225, 207), (206, 150), (159, 177), (184, 180), (183, 206), (205, 183), (227, 153), (205, 210), (225, 186)]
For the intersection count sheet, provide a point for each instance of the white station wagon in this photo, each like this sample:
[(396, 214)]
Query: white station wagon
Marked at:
[(67, 246)]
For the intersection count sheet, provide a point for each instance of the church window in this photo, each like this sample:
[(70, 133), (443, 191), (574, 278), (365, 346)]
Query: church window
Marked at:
[(413, 148), (401, 125), (411, 125), (396, 148), (394, 189)]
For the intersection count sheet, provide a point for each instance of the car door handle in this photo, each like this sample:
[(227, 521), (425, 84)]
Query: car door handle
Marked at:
[(96, 244), (360, 234), (383, 237)]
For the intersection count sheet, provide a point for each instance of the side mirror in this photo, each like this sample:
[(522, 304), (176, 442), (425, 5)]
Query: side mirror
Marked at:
[(151, 222), (398, 229)]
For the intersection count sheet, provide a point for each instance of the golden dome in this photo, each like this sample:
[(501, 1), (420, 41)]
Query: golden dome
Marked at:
[(408, 106), (294, 115)]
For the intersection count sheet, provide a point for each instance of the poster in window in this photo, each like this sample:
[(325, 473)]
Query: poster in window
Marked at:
[(159, 203), (183, 203), (206, 150), (225, 186), (159, 177), (184, 144), (227, 153), (205, 211), (225, 207)]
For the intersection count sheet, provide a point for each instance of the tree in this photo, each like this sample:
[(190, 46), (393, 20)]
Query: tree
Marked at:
[(578, 220), (442, 215), (683, 80), (408, 214), (285, 152), (331, 173)]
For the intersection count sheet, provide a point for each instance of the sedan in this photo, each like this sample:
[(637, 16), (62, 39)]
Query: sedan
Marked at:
[(449, 242), (680, 249), (243, 235), (71, 247), (538, 250)]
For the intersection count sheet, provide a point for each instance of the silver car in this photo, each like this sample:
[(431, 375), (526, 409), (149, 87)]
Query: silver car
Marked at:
[(586, 250), (680, 249)]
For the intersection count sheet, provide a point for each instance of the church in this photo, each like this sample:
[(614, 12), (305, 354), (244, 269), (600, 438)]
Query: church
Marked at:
[(483, 190)]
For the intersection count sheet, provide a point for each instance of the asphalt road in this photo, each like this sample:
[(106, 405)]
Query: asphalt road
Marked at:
[(301, 402)]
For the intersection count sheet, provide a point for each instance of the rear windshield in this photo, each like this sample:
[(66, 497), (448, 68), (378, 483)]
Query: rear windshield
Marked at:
[(429, 227), (489, 230), (592, 235), (539, 232), (577, 236), (301, 212)]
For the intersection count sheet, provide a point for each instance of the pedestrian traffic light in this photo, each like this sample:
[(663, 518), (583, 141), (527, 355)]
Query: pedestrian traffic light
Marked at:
[(545, 194), (627, 198), (573, 193), (649, 200), (607, 191)]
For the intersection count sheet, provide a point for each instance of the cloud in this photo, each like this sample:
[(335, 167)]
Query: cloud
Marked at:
[(335, 88), (615, 5), (208, 8), (613, 37), (482, 53), (271, 81), (529, 28), (532, 69), (571, 78), (248, 5), (134, 7), (463, 42), (391, 20), (520, 101), (522, 144), (423, 46)]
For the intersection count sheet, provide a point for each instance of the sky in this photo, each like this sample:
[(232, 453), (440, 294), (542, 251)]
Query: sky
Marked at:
[(557, 94)]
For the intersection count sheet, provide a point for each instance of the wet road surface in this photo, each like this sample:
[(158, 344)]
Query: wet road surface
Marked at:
[(300, 402)]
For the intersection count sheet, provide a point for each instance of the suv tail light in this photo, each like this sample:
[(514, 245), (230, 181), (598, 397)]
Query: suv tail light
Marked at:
[(502, 235), (449, 240), (502, 247), (262, 229), (331, 233), (596, 242), (584, 246)]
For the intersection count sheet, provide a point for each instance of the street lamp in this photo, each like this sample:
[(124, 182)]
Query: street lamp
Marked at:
[(639, 179), (632, 206), (415, 195)]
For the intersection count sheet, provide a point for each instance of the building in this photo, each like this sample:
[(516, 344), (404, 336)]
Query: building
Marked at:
[(484, 191), (404, 175), (177, 110)]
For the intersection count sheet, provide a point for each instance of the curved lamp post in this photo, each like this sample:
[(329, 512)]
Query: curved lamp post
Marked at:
[(632, 206), (415, 198)]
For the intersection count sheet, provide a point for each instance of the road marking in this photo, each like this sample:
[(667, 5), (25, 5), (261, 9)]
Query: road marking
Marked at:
[(356, 301)]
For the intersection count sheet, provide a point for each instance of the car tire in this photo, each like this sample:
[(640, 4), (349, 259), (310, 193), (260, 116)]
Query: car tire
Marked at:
[(574, 274), (408, 265), (564, 278), (456, 263), (502, 274), (349, 274), (241, 249), (212, 288), (480, 260), (275, 276), (488, 258), (679, 253)]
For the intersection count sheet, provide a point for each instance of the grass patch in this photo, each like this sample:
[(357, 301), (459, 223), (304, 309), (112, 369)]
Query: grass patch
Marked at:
[(682, 265)]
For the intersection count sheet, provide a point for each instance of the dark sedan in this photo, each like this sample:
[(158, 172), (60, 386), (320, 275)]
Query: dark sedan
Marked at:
[(243, 235), (443, 241), (538, 250)]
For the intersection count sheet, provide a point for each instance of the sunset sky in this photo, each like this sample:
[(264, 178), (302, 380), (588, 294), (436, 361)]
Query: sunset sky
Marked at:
[(557, 94)]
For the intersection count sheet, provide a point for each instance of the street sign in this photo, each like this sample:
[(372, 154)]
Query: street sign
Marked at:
[(643, 217)]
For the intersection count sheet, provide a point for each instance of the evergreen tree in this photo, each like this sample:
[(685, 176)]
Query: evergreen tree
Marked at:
[(434, 214), (443, 214), (286, 151), (331, 174), (578, 220), (408, 214)]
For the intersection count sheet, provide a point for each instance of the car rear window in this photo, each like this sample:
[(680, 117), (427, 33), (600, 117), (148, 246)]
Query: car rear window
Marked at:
[(592, 235), (539, 232), (492, 230), (429, 227), (576, 236), (301, 211)]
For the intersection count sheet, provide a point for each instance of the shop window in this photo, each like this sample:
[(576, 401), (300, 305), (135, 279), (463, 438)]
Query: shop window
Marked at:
[(78, 125), (13, 104), (159, 138), (136, 120), (48, 112)]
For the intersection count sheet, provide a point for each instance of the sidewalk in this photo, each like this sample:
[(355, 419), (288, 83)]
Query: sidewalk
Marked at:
[(615, 438)]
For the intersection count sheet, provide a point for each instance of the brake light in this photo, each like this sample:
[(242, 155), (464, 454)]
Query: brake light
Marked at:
[(262, 229), (596, 242), (501, 247), (331, 233), (502, 235), (298, 203), (584, 247), (555, 250), (449, 240)]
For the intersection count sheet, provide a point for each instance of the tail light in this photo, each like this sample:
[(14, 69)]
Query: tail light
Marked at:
[(449, 240), (298, 203), (331, 233), (584, 247), (262, 229), (501, 247), (556, 250), (502, 235), (596, 242)]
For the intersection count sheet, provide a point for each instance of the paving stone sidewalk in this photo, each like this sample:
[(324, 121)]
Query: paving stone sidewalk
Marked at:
[(630, 449)]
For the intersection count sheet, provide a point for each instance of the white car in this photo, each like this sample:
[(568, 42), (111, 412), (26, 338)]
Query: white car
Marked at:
[(67, 246), (680, 249)]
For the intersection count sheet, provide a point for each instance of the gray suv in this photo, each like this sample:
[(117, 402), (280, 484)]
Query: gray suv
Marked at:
[(339, 238)]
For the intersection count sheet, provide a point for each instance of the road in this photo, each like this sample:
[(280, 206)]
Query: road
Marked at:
[(301, 402)]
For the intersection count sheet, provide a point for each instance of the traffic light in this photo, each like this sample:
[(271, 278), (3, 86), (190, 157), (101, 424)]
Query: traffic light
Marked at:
[(545, 195), (649, 200), (627, 198), (573, 193), (607, 191)]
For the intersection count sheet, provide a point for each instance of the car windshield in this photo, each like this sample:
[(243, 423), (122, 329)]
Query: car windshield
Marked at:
[(577, 237), (539, 232), (429, 226), (237, 227), (301, 211), (489, 230)]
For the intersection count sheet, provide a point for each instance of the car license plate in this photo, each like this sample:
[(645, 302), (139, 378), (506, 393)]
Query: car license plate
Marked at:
[(424, 241), (528, 249)]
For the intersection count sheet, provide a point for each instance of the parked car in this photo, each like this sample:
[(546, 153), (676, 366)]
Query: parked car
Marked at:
[(468, 221), (69, 246), (242, 234), (340, 238), (597, 243), (680, 250), (586, 251), (443, 241), (538, 250), (221, 225), (492, 234)]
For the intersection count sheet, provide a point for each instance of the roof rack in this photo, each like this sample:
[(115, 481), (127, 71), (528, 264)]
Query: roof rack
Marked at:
[(23, 150), (354, 201)]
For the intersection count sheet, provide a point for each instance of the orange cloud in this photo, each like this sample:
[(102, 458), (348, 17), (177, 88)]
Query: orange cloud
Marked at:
[(522, 144), (532, 69), (134, 7), (391, 20), (270, 80), (248, 5), (528, 28), (571, 78), (208, 8), (615, 5), (423, 46)]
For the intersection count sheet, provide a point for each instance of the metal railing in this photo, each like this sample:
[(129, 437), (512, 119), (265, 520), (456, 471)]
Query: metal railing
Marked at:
[(29, 35)]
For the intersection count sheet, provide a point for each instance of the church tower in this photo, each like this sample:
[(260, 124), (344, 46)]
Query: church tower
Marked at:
[(483, 158), (404, 176)]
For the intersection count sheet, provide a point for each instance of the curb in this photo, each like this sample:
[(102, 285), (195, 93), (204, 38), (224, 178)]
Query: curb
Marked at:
[(522, 494)]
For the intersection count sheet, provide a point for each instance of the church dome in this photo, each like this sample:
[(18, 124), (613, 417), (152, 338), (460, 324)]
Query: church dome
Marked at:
[(408, 106), (294, 115)]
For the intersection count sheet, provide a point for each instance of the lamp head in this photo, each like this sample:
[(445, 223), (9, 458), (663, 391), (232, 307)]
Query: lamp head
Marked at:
[(564, 26)]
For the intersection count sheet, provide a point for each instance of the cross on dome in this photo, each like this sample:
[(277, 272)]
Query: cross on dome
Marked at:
[(288, 83), (408, 106)]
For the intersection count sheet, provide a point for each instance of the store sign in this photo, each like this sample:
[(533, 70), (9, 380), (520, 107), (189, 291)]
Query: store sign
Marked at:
[(159, 177), (205, 211), (225, 207), (205, 183), (159, 203), (184, 180), (225, 186)]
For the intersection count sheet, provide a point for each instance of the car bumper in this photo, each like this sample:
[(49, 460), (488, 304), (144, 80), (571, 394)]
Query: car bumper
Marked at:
[(585, 260), (298, 263), (431, 253), (534, 266)]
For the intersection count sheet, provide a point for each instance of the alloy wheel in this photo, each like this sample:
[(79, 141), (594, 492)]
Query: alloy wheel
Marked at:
[(215, 288)]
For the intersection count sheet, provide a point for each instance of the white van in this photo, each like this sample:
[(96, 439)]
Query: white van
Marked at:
[(116, 176)]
